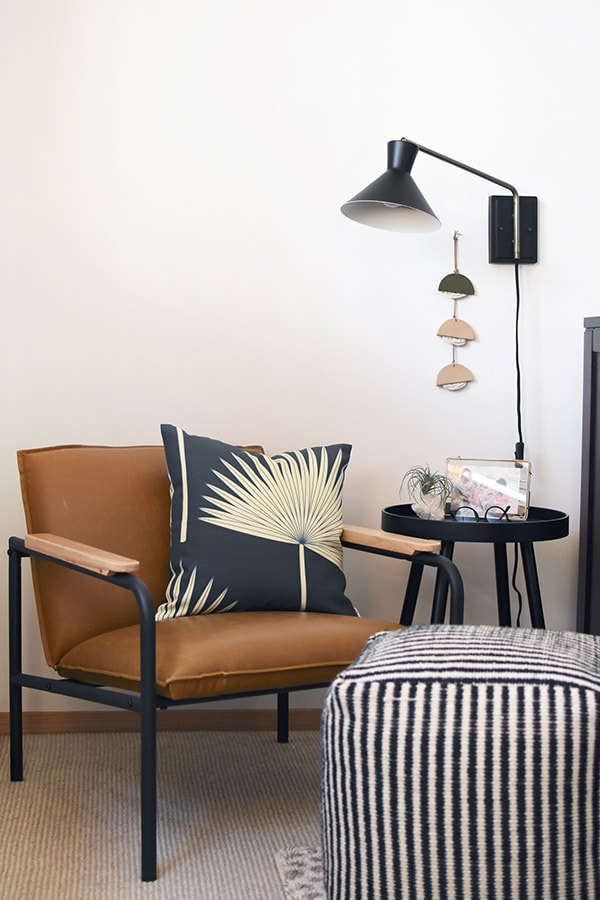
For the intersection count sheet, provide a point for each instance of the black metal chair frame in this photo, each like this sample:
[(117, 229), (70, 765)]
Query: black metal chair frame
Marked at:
[(146, 702)]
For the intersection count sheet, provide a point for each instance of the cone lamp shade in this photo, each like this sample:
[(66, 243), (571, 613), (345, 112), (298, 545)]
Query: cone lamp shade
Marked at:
[(393, 202)]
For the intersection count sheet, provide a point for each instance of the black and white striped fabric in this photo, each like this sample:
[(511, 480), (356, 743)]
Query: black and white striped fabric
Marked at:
[(463, 763)]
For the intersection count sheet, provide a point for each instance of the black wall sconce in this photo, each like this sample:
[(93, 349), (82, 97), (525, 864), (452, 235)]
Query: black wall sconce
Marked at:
[(393, 202)]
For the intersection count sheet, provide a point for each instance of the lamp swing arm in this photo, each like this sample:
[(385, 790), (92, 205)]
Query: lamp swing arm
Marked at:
[(480, 174)]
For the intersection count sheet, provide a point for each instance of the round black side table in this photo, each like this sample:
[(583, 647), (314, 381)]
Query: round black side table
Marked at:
[(541, 524)]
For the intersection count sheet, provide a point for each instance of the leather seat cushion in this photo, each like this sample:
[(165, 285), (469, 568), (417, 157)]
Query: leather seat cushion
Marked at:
[(226, 653)]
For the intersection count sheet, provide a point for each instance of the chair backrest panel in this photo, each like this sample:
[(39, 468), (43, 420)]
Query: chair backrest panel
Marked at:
[(114, 498)]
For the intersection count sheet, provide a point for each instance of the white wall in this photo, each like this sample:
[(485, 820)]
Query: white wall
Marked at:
[(171, 247)]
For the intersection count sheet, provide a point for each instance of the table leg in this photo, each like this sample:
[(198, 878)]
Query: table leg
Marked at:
[(502, 592), (412, 591), (533, 585), (440, 593)]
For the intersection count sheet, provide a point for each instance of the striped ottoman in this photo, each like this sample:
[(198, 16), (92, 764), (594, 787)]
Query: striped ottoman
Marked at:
[(463, 763)]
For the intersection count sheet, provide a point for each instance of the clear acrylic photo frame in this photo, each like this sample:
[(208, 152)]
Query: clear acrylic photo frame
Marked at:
[(483, 484)]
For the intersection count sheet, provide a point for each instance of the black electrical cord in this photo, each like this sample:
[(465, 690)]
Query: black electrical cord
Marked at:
[(514, 585), (519, 446)]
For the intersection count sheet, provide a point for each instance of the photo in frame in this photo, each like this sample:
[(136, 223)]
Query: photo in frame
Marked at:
[(489, 484)]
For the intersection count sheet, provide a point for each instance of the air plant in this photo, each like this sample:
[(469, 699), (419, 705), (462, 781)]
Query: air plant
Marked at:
[(420, 480)]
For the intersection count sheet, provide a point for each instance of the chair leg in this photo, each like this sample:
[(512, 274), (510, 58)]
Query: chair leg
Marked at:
[(148, 703), (148, 792), (16, 733), (283, 717), (15, 665)]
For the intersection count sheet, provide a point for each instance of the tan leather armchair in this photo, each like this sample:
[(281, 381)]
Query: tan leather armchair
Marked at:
[(98, 537)]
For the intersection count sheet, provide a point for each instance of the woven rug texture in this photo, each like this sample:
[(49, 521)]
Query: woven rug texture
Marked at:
[(228, 803)]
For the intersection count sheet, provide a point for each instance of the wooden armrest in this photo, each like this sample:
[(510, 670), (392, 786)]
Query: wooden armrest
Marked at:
[(375, 538), (81, 554)]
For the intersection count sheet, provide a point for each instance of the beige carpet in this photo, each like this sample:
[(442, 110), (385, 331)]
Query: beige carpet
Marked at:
[(228, 803)]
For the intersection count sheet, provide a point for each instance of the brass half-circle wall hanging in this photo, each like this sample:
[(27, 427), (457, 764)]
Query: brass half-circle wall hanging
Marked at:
[(456, 285), (454, 377), (456, 331)]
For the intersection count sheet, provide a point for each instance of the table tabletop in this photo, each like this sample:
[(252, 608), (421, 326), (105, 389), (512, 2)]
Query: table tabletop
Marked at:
[(541, 524)]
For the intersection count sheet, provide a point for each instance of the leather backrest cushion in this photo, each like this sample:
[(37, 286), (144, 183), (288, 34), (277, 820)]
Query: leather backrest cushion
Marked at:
[(114, 498)]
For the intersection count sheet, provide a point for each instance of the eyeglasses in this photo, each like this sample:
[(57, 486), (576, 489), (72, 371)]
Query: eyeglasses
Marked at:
[(468, 514)]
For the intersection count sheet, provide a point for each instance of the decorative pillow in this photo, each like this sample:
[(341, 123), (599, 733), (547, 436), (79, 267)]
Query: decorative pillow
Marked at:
[(250, 532)]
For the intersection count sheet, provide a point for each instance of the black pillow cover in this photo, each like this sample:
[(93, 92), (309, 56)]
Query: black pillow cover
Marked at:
[(251, 532)]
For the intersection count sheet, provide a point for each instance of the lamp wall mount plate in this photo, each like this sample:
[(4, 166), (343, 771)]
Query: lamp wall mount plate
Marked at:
[(501, 229)]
